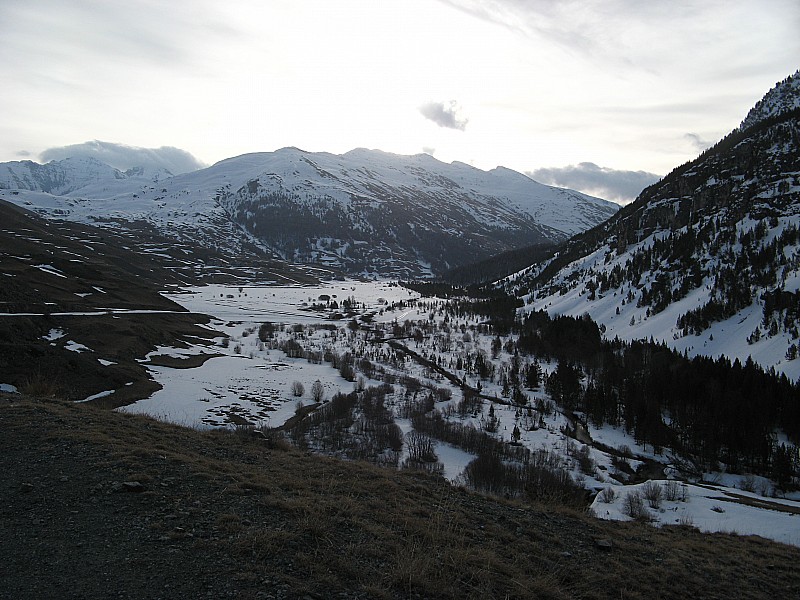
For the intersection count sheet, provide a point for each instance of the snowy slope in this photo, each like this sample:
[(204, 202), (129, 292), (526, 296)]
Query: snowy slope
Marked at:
[(707, 260)]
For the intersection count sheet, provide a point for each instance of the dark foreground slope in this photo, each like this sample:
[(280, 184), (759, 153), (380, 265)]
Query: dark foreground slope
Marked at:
[(97, 504), (64, 284)]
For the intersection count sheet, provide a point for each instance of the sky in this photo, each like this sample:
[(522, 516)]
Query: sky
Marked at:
[(600, 95)]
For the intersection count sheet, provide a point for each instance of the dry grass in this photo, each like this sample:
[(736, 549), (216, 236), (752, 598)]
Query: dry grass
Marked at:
[(237, 503)]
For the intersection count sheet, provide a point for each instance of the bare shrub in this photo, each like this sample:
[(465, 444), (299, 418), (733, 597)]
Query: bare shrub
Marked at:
[(420, 447), (487, 473), (634, 507), (394, 437), (298, 389), (537, 482), (621, 465), (652, 492), (672, 491), (608, 495), (361, 384), (748, 483), (625, 451)]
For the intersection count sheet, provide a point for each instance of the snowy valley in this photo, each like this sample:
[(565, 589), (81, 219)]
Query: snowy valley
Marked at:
[(648, 368)]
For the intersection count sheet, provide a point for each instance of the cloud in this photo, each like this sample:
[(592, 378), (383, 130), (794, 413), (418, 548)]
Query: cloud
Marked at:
[(23, 153), (444, 115), (429, 150), (697, 142), (611, 184), (124, 157)]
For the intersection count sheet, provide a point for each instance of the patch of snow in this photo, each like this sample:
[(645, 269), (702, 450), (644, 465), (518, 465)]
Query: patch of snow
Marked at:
[(98, 395), (714, 509), (76, 347)]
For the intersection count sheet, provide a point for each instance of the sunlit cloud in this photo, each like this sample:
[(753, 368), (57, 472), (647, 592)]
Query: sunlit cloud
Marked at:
[(444, 115)]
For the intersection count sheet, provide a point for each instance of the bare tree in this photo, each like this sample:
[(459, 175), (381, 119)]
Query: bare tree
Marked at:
[(298, 389), (317, 391)]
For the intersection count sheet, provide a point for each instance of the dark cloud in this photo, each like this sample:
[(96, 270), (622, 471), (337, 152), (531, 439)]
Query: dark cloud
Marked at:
[(611, 184), (444, 115), (124, 157), (697, 142)]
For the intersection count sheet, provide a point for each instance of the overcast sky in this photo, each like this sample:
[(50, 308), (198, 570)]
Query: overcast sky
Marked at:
[(591, 91)]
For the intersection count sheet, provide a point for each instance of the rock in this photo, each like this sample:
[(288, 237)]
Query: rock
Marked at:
[(604, 544), (130, 486)]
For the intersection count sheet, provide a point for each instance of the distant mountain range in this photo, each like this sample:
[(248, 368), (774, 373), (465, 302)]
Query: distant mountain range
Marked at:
[(706, 260), (365, 212)]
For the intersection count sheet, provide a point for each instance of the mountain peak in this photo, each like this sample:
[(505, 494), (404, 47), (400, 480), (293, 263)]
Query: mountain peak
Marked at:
[(785, 96)]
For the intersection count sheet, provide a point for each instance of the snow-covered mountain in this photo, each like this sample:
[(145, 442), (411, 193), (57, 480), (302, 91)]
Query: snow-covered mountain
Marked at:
[(365, 211), (708, 259)]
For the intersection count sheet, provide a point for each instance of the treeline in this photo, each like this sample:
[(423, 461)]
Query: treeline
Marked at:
[(711, 410), (500, 266)]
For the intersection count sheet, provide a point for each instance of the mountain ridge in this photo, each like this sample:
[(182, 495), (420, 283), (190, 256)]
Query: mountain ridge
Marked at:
[(366, 212)]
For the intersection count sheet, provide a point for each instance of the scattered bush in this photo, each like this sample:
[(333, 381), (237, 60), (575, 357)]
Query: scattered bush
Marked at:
[(672, 491), (652, 492), (266, 331), (634, 507), (317, 391), (420, 447), (748, 483), (608, 495)]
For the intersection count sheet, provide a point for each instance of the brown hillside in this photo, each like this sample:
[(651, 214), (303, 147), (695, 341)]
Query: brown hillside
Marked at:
[(97, 504)]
